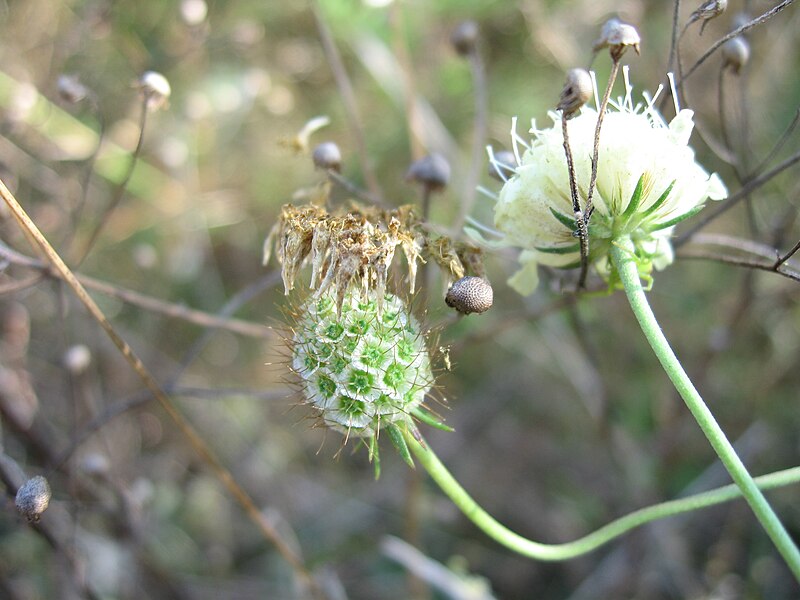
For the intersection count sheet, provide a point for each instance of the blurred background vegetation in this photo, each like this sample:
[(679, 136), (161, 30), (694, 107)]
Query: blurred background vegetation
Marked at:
[(563, 418)]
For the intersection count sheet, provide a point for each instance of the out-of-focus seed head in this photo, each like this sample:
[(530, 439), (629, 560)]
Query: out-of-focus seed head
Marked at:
[(503, 165), (465, 37), (33, 498), (155, 88), (707, 11), (77, 359), (431, 171), (735, 54), (95, 464), (70, 89), (327, 156), (617, 37), (577, 91), (470, 295)]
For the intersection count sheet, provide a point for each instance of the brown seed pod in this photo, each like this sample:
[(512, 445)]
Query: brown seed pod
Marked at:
[(577, 90), (33, 498), (470, 295), (431, 171)]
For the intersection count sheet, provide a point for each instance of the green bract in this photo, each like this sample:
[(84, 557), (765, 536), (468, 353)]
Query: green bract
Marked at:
[(364, 368)]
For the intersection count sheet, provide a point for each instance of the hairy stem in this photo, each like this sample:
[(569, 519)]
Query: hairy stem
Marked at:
[(622, 256), (592, 541)]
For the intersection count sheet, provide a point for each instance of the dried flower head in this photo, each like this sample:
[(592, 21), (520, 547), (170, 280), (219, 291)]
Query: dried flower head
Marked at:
[(647, 181), (577, 91), (707, 11), (470, 295), (33, 498), (356, 248), (617, 37)]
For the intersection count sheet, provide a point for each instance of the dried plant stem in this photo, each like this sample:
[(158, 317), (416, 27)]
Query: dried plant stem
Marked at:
[(787, 256), (194, 438), (716, 45), (674, 40), (119, 191), (622, 255), (773, 267), (587, 212), (177, 311), (780, 143), (733, 199), (605, 534), (348, 98), (580, 222)]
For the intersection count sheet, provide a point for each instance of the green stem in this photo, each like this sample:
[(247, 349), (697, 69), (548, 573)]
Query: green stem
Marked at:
[(622, 253), (588, 543)]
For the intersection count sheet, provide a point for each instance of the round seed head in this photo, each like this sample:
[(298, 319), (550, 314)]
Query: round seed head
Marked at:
[(465, 37), (577, 91), (70, 89), (470, 295), (156, 89), (735, 54), (33, 498), (327, 156), (432, 171), (504, 165)]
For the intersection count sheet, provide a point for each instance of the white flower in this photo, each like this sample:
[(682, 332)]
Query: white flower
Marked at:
[(647, 181)]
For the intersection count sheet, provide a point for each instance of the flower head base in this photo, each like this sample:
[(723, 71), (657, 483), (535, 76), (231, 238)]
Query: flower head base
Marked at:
[(362, 369), (647, 182)]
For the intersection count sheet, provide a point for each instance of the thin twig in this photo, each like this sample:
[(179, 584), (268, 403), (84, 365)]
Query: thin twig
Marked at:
[(741, 262), (747, 26), (674, 40), (587, 212), (781, 141), (580, 222), (170, 309), (786, 256), (348, 98), (197, 442), (737, 197), (119, 191)]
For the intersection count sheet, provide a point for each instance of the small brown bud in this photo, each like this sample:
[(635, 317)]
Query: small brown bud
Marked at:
[(33, 498), (465, 37), (577, 90), (432, 171), (470, 295), (327, 156), (503, 165), (735, 54)]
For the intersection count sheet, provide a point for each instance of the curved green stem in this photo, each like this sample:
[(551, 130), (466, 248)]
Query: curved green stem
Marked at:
[(622, 253), (588, 543)]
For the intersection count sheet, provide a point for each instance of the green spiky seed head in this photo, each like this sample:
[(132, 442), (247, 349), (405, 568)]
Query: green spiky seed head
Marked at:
[(364, 367)]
